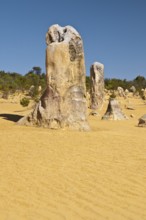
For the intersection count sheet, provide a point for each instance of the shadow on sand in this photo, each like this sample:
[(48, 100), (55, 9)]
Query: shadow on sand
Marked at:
[(11, 117)]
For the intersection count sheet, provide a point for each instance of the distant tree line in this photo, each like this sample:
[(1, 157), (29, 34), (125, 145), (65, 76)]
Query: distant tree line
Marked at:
[(15, 81), (112, 84), (11, 82)]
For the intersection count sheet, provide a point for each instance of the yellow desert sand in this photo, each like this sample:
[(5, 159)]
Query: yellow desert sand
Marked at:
[(70, 175)]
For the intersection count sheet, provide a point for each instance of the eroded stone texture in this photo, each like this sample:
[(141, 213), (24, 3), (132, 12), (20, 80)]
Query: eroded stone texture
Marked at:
[(143, 91), (97, 85), (114, 111), (133, 89), (142, 121), (121, 92), (63, 103)]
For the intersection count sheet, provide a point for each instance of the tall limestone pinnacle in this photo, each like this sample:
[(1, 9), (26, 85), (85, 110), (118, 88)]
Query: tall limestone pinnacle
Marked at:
[(63, 104), (97, 85)]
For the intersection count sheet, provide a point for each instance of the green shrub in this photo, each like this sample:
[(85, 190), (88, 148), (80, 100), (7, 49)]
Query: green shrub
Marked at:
[(113, 96), (24, 102)]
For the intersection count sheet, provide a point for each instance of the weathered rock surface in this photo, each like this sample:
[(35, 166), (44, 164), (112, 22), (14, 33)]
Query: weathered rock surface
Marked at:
[(142, 121), (97, 85), (126, 92), (143, 91), (133, 89), (63, 103), (130, 107), (121, 92), (114, 111)]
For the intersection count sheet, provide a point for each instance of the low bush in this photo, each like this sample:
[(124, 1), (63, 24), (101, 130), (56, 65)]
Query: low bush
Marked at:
[(24, 102)]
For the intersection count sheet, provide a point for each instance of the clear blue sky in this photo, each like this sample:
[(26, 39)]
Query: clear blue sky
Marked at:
[(113, 32)]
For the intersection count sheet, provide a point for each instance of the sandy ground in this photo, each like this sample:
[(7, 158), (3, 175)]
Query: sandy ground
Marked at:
[(70, 175)]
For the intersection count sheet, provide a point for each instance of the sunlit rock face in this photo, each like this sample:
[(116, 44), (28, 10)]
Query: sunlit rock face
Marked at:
[(97, 85), (63, 103), (142, 121), (114, 111)]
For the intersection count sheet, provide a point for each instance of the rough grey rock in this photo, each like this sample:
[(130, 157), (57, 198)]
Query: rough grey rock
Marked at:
[(143, 91), (121, 92), (130, 107), (114, 111), (63, 103), (142, 121), (132, 89), (97, 85)]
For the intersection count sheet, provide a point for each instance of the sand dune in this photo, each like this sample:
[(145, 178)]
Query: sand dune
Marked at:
[(69, 175)]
